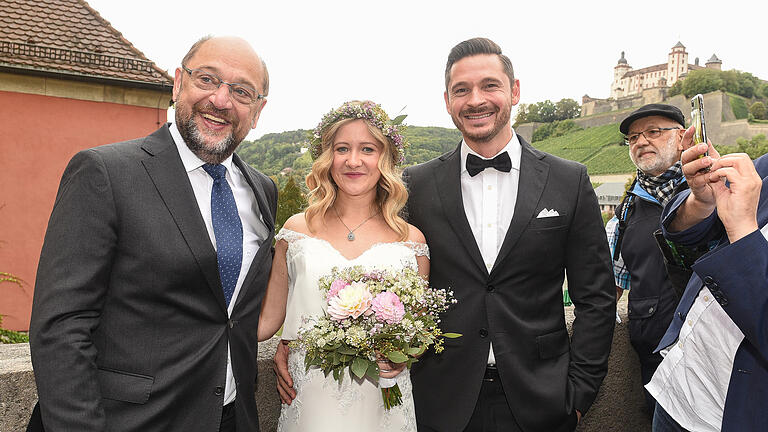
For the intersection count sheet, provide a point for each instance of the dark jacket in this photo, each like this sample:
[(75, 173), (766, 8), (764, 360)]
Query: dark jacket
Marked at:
[(129, 327), (652, 298), (518, 304)]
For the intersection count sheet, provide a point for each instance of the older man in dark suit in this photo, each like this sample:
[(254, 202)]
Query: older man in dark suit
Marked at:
[(154, 266), (505, 223)]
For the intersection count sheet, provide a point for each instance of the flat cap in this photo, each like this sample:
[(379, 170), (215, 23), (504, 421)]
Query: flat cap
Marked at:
[(669, 111)]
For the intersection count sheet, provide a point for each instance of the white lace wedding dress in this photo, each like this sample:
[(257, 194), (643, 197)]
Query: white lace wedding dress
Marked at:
[(322, 404)]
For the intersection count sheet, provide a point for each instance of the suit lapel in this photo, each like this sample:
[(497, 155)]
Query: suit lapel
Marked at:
[(533, 177), (762, 205), (261, 198), (447, 178), (167, 172), (267, 218)]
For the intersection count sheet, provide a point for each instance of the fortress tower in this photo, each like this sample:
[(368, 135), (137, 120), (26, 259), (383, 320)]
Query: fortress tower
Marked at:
[(714, 63), (677, 63), (617, 88)]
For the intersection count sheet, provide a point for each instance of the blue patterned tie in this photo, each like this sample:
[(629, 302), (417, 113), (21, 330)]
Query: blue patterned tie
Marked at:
[(227, 229)]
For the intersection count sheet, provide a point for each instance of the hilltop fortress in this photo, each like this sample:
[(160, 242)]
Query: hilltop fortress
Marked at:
[(632, 88), (635, 87)]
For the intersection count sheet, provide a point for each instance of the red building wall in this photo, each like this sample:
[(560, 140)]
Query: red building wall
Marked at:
[(38, 136)]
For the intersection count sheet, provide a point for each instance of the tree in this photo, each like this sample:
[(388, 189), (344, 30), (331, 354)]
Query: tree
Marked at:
[(290, 200), (546, 110), (676, 89), (567, 109), (702, 81), (755, 147), (758, 110), (709, 80), (522, 115), (302, 165), (554, 129)]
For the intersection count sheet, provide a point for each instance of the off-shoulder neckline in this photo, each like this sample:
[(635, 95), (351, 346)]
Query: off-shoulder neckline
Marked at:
[(373, 246)]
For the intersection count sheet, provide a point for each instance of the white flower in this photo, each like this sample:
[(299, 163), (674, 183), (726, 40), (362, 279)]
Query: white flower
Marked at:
[(352, 301)]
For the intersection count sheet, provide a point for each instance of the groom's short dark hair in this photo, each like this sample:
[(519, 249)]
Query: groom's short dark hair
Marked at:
[(478, 46)]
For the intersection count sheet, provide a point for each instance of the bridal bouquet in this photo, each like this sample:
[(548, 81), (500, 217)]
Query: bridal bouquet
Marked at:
[(373, 314)]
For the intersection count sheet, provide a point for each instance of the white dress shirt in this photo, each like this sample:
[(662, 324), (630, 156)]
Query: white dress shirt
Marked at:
[(489, 202), (691, 383), (254, 229)]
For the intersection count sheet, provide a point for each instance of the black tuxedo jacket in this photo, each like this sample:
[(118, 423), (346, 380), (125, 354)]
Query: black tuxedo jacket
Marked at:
[(129, 325), (519, 304)]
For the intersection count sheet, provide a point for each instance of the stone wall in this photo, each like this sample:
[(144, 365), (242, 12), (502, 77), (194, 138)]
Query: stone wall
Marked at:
[(722, 126), (619, 405)]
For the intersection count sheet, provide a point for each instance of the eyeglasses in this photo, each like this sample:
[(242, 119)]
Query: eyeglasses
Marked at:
[(648, 134), (208, 81)]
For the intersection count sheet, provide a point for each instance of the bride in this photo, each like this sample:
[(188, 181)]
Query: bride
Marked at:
[(353, 218)]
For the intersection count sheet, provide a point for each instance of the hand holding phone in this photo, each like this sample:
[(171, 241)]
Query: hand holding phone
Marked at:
[(697, 118)]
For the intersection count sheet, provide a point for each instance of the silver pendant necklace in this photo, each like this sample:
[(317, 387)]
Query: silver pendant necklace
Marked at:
[(351, 235)]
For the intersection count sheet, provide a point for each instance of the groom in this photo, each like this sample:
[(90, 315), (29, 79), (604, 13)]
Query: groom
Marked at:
[(504, 223)]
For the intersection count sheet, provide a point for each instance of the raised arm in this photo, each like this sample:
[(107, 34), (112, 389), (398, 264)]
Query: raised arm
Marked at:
[(701, 202)]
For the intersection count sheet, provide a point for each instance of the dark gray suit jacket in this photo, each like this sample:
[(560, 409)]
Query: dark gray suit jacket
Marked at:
[(519, 304), (129, 326)]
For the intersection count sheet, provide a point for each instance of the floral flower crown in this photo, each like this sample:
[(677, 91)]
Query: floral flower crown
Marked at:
[(366, 110)]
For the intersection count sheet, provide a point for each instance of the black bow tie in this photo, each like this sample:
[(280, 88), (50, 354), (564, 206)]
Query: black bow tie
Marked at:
[(475, 164)]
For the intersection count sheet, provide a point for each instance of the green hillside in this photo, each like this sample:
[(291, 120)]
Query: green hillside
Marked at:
[(738, 105), (599, 148), (273, 152)]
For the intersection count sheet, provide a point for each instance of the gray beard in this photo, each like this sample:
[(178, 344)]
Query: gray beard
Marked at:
[(212, 154)]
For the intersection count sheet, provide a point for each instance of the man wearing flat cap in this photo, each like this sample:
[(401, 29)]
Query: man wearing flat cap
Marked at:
[(653, 133)]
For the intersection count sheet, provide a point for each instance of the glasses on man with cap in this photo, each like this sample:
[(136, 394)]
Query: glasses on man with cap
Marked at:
[(649, 134), (210, 82)]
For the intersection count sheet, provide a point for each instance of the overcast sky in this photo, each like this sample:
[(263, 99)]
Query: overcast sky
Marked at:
[(324, 52)]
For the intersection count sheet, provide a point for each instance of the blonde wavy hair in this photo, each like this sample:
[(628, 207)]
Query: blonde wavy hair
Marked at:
[(391, 194)]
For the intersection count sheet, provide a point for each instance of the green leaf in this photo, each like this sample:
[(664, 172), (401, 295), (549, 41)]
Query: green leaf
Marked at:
[(359, 366), (373, 371), (399, 119), (452, 335), (397, 357), (414, 351), (347, 350)]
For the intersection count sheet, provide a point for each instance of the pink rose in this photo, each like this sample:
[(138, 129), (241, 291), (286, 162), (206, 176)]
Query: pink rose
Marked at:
[(337, 286), (388, 307)]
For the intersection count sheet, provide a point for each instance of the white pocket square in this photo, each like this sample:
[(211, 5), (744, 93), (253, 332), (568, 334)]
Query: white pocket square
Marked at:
[(544, 213)]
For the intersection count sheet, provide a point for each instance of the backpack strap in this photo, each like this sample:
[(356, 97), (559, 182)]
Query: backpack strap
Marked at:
[(622, 213)]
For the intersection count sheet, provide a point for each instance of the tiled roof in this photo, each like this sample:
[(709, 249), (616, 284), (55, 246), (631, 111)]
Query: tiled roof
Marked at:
[(654, 68), (69, 37)]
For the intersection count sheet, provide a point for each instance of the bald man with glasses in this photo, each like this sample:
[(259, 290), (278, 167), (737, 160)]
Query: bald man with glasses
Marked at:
[(155, 263)]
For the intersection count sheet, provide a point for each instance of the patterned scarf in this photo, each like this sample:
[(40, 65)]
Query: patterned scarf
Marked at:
[(662, 186)]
